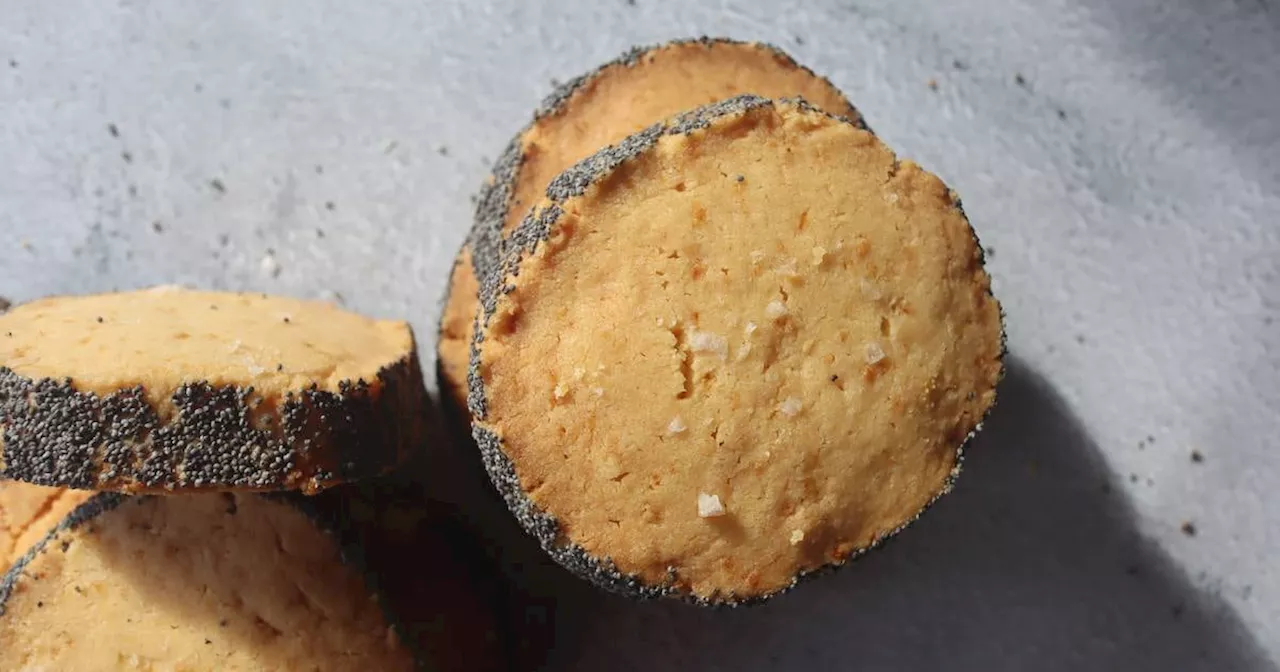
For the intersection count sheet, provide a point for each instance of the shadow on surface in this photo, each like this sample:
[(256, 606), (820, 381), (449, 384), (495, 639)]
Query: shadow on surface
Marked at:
[(1033, 563), (1220, 59)]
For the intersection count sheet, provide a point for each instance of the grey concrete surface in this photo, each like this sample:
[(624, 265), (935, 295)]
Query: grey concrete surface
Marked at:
[(1121, 159)]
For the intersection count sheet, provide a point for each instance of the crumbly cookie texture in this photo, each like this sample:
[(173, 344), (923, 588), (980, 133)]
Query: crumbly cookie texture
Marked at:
[(207, 581), (640, 88), (170, 389), (28, 512), (732, 350)]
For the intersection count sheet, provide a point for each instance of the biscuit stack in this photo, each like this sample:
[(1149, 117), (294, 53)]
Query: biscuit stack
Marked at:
[(710, 334), (183, 410)]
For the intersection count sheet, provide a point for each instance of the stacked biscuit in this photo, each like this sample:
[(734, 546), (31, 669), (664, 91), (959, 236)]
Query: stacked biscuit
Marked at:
[(710, 334), (199, 418)]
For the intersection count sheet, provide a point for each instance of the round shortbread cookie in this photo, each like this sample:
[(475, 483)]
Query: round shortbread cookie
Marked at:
[(737, 348), (171, 389), (642, 87), (199, 582)]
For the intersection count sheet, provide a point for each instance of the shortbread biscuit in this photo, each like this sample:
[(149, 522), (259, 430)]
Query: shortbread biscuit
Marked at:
[(170, 389), (736, 348), (213, 581)]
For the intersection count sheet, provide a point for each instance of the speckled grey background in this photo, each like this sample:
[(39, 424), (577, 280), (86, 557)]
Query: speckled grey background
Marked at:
[(1121, 158)]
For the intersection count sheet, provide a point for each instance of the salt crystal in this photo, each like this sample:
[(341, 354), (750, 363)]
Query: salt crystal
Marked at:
[(890, 197), (775, 310), (797, 536), (709, 506), (705, 341), (875, 353), (598, 391), (750, 328), (757, 256), (676, 425), (819, 255), (789, 269), (560, 391), (790, 407)]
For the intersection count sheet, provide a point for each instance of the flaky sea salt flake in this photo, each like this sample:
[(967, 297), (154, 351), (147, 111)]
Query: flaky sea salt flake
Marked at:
[(709, 506), (790, 407), (705, 341)]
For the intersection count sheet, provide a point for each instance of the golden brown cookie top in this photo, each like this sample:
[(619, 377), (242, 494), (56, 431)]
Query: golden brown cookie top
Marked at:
[(171, 389), (646, 86), (164, 337), (200, 582), (733, 350), (643, 87)]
